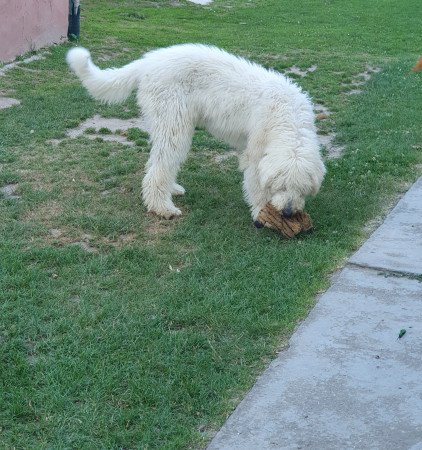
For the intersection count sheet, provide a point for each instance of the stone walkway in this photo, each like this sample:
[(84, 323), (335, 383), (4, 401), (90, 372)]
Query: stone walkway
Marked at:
[(348, 381)]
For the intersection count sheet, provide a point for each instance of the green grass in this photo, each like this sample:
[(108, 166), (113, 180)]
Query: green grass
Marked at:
[(121, 330)]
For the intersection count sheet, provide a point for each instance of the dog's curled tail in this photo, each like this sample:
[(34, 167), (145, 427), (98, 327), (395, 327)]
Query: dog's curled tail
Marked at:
[(108, 85)]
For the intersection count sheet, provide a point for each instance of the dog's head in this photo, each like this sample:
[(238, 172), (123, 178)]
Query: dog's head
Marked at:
[(288, 177)]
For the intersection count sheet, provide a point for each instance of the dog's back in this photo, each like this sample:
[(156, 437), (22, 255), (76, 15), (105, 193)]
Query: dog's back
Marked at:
[(226, 93)]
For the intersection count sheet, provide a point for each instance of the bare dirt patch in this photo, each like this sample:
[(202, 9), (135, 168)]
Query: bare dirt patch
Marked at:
[(222, 157), (85, 246), (321, 111), (55, 232), (158, 227), (327, 141), (88, 242), (295, 70), (107, 56), (97, 123), (46, 213), (119, 242), (9, 190), (359, 80), (201, 2), (61, 237), (8, 102), (15, 64), (65, 236)]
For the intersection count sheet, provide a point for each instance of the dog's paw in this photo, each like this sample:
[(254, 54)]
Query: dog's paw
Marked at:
[(172, 214), (178, 190), (167, 213)]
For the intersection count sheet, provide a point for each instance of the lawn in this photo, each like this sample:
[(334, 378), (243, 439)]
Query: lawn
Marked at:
[(121, 330)]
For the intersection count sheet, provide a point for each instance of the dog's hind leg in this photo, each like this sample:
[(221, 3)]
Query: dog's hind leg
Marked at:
[(171, 140)]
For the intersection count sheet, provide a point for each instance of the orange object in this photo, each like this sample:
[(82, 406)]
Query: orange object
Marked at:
[(418, 66), (288, 227)]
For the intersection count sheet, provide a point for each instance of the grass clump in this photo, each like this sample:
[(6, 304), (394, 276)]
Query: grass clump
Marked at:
[(104, 130), (90, 130), (141, 138), (134, 134)]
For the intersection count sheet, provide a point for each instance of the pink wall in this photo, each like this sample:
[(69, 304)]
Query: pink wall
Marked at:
[(30, 24)]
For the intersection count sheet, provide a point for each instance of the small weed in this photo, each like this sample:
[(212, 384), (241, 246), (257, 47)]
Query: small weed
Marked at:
[(7, 156), (69, 123), (133, 15), (134, 134), (142, 143), (104, 130), (8, 176)]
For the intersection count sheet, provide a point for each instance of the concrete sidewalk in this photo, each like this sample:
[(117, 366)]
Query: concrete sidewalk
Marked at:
[(347, 381)]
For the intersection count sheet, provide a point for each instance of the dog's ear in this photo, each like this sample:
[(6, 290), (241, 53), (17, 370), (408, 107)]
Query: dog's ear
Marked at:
[(280, 173), (267, 172), (317, 177)]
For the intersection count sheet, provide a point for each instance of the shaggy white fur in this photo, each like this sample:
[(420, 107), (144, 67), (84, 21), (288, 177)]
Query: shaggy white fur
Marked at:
[(259, 112)]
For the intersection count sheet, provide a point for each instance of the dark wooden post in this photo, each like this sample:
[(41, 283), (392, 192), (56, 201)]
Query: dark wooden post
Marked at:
[(73, 30)]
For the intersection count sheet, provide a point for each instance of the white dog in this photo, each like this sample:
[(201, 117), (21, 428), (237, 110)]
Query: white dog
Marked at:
[(259, 112)]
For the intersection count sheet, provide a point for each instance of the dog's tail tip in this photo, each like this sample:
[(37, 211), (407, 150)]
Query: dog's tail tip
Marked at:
[(78, 57)]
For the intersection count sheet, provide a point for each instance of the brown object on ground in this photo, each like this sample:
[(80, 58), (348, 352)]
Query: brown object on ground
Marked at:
[(418, 66), (288, 227), (321, 116)]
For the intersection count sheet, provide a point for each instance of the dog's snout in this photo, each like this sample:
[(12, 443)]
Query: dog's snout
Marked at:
[(287, 211)]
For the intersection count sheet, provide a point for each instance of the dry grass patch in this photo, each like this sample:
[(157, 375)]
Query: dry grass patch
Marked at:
[(46, 214), (158, 227)]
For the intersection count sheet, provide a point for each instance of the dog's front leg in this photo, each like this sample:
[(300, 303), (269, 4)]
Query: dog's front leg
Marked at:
[(254, 194)]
